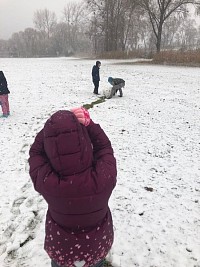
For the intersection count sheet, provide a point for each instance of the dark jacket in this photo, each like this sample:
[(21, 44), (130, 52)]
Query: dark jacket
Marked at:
[(95, 72), (117, 81), (74, 169), (3, 84)]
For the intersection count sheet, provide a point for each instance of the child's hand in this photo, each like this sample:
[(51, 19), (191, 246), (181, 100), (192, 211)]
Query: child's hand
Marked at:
[(82, 115)]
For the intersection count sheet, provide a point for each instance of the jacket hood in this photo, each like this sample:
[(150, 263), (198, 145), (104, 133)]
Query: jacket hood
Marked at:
[(110, 80), (67, 144)]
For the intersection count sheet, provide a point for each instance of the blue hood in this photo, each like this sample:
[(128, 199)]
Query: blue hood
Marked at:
[(110, 80)]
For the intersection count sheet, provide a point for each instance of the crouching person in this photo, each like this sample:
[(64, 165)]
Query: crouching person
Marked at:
[(72, 165), (117, 84)]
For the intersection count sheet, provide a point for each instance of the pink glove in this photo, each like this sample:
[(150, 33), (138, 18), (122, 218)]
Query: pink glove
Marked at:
[(82, 115)]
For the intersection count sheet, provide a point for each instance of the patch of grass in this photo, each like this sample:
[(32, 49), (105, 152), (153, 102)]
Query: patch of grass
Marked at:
[(139, 62), (98, 101), (107, 264), (185, 58), (175, 58), (121, 54)]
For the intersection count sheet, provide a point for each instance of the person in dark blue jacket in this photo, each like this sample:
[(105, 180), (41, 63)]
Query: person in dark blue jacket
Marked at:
[(96, 77)]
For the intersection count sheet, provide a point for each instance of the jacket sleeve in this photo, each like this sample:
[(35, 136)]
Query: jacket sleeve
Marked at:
[(104, 160), (42, 174), (3, 81), (95, 73)]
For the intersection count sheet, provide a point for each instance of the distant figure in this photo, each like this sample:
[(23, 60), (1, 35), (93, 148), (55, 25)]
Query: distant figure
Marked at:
[(72, 165), (96, 77), (4, 95), (117, 84)]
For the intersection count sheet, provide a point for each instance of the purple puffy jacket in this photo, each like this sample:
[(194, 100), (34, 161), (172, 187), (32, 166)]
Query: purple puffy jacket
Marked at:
[(74, 169)]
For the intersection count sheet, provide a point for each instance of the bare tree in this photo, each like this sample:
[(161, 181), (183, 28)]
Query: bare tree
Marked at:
[(160, 10), (110, 20), (17, 45), (170, 30), (74, 19), (129, 16), (45, 22), (187, 35), (4, 48)]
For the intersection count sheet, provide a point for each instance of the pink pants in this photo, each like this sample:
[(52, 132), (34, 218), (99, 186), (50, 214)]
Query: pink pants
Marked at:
[(4, 104)]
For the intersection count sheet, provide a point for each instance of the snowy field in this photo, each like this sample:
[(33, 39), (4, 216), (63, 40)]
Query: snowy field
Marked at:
[(155, 132)]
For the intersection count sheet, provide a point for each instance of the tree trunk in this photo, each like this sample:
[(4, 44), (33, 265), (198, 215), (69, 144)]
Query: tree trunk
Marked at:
[(159, 37)]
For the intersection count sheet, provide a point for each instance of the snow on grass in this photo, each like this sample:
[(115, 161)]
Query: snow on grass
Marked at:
[(155, 133)]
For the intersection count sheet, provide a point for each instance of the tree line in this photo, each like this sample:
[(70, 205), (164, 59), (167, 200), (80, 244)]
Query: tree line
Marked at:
[(104, 26)]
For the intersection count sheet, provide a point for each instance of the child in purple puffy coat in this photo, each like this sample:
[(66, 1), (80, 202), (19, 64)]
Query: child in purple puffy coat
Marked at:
[(73, 167)]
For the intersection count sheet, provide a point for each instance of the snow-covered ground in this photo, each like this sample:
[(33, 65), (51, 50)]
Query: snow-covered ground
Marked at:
[(155, 132)]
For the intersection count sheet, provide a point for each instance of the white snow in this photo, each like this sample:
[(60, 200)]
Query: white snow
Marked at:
[(155, 133)]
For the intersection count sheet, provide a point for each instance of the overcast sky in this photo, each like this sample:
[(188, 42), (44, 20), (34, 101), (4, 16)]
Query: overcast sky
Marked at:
[(16, 15)]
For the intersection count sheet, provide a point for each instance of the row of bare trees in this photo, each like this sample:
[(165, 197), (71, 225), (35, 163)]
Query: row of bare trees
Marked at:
[(108, 25), (50, 37), (114, 23)]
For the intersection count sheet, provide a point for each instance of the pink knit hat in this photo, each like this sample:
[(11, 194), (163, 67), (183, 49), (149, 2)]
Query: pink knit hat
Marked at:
[(82, 115)]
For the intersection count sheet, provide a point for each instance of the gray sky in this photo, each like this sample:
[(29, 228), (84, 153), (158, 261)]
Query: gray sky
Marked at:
[(16, 15)]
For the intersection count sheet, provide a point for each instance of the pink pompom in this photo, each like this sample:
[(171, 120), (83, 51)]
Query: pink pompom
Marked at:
[(82, 115)]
